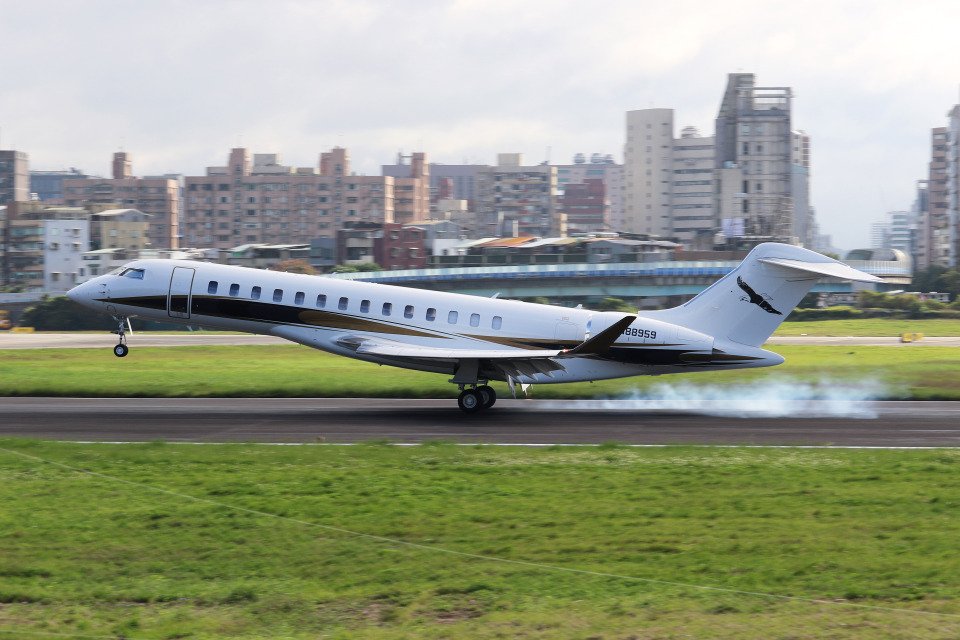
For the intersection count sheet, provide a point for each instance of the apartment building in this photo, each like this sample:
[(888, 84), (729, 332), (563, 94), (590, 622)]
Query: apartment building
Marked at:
[(648, 171), (158, 196), (754, 161), (934, 226), (14, 177), (255, 199), (45, 255), (953, 184), (693, 221), (598, 167), (516, 199), (47, 186), (586, 206)]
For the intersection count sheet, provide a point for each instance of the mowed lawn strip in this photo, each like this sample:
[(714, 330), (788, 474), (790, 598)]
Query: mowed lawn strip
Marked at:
[(82, 553), (870, 327), (915, 371)]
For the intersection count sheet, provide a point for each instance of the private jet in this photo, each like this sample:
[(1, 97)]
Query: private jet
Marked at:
[(475, 340)]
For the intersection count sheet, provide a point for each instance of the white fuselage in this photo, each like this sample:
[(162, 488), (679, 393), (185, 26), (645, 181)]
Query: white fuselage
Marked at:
[(325, 313)]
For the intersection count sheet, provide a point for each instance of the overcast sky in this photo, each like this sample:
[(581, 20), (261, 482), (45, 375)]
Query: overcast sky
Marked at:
[(177, 84)]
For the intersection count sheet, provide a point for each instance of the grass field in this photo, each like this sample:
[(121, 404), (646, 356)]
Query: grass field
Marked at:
[(921, 372), (869, 327), (109, 556)]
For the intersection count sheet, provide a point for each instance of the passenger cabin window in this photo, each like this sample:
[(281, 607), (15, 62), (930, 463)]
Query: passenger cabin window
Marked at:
[(497, 322), (387, 308), (255, 293), (278, 295), (298, 297), (234, 290), (321, 301), (474, 319), (364, 306), (431, 314), (452, 317), (212, 287), (408, 311), (343, 304)]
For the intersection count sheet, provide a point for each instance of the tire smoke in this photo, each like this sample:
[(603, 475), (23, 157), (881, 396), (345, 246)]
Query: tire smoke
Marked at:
[(770, 398)]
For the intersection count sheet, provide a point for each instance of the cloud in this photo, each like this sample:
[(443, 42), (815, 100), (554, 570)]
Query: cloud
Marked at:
[(179, 83)]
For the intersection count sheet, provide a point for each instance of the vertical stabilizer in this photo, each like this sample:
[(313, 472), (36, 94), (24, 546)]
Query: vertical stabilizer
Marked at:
[(749, 303)]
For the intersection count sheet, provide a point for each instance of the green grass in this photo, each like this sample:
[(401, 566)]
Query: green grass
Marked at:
[(869, 327), (922, 372), (89, 554)]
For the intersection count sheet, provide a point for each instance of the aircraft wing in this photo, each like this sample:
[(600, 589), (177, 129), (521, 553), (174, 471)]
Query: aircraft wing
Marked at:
[(390, 348)]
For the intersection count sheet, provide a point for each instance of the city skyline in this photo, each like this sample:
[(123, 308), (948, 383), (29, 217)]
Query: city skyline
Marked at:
[(175, 84)]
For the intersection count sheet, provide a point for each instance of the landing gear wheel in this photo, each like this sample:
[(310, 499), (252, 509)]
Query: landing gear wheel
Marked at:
[(488, 394), (120, 350), (470, 401)]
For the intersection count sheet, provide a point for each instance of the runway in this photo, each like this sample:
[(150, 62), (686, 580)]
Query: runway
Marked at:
[(333, 420), (201, 338)]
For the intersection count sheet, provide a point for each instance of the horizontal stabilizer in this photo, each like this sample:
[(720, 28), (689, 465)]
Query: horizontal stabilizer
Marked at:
[(600, 344), (823, 269)]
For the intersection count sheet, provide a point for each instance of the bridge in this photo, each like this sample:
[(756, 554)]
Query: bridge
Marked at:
[(649, 284)]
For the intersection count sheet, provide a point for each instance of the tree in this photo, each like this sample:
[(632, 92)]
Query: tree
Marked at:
[(354, 268), (295, 265), (615, 304)]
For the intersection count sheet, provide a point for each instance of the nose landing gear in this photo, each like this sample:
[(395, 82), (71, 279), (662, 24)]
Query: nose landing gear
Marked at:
[(121, 349)]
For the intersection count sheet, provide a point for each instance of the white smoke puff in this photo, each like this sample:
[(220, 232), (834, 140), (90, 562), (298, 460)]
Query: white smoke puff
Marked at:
[(768, 398)]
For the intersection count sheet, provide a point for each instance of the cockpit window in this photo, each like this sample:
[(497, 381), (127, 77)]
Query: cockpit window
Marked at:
[(136, 274)]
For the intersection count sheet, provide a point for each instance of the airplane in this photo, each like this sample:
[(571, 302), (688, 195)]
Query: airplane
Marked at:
[(475, 339)]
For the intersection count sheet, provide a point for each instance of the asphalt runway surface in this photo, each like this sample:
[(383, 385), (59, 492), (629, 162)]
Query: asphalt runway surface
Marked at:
[(201, 338), (352, 420)]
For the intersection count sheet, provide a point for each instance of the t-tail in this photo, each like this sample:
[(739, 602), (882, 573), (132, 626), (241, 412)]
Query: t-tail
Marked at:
[(749, 303)]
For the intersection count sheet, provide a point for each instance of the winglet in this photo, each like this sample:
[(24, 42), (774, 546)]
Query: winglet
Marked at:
[(600, 344)]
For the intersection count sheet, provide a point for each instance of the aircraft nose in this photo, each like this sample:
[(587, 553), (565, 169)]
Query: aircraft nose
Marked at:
[(82, 293)]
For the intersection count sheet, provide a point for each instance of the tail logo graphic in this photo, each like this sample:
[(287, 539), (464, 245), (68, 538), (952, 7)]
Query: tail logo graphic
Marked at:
[(755, 298)]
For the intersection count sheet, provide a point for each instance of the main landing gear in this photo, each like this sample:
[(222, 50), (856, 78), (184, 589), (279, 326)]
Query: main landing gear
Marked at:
[(122, 324), (476, 398)]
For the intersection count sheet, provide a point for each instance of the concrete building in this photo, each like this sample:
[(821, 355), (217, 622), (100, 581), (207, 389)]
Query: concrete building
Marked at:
[(754, 158), (515, 199), (14, 177), (648, 169), (692, 218), (390, 245), (600, 167), (447, 181), (158, 196), (953, 185), (256, 199), (934, 227), (586, 206), (896, 232), (47, 186), (45, 255)]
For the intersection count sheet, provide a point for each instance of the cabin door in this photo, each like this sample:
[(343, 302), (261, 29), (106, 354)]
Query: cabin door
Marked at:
[(179, 298)]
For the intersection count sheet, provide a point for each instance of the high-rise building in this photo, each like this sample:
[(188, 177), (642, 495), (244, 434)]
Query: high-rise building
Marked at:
[(692, 218), (158, 196), (754, 160), (514, 199), (586, 206), (648, 172), (256, 199), (934, 227), (14, 177), (953, 184)]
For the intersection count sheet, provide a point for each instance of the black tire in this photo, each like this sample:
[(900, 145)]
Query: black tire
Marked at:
[(470, 401), (488, 394), (120, 350)]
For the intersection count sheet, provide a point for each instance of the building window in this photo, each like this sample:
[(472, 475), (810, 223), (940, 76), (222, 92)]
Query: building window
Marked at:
[(497, 322), (298, 297), (321, 301), (255, 293), (387, 308), (431, 314), (342, 305), (364, 306), (452, 317), (234, 290), (474, 319), (408, 311), (278, 295), (212, 287)]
